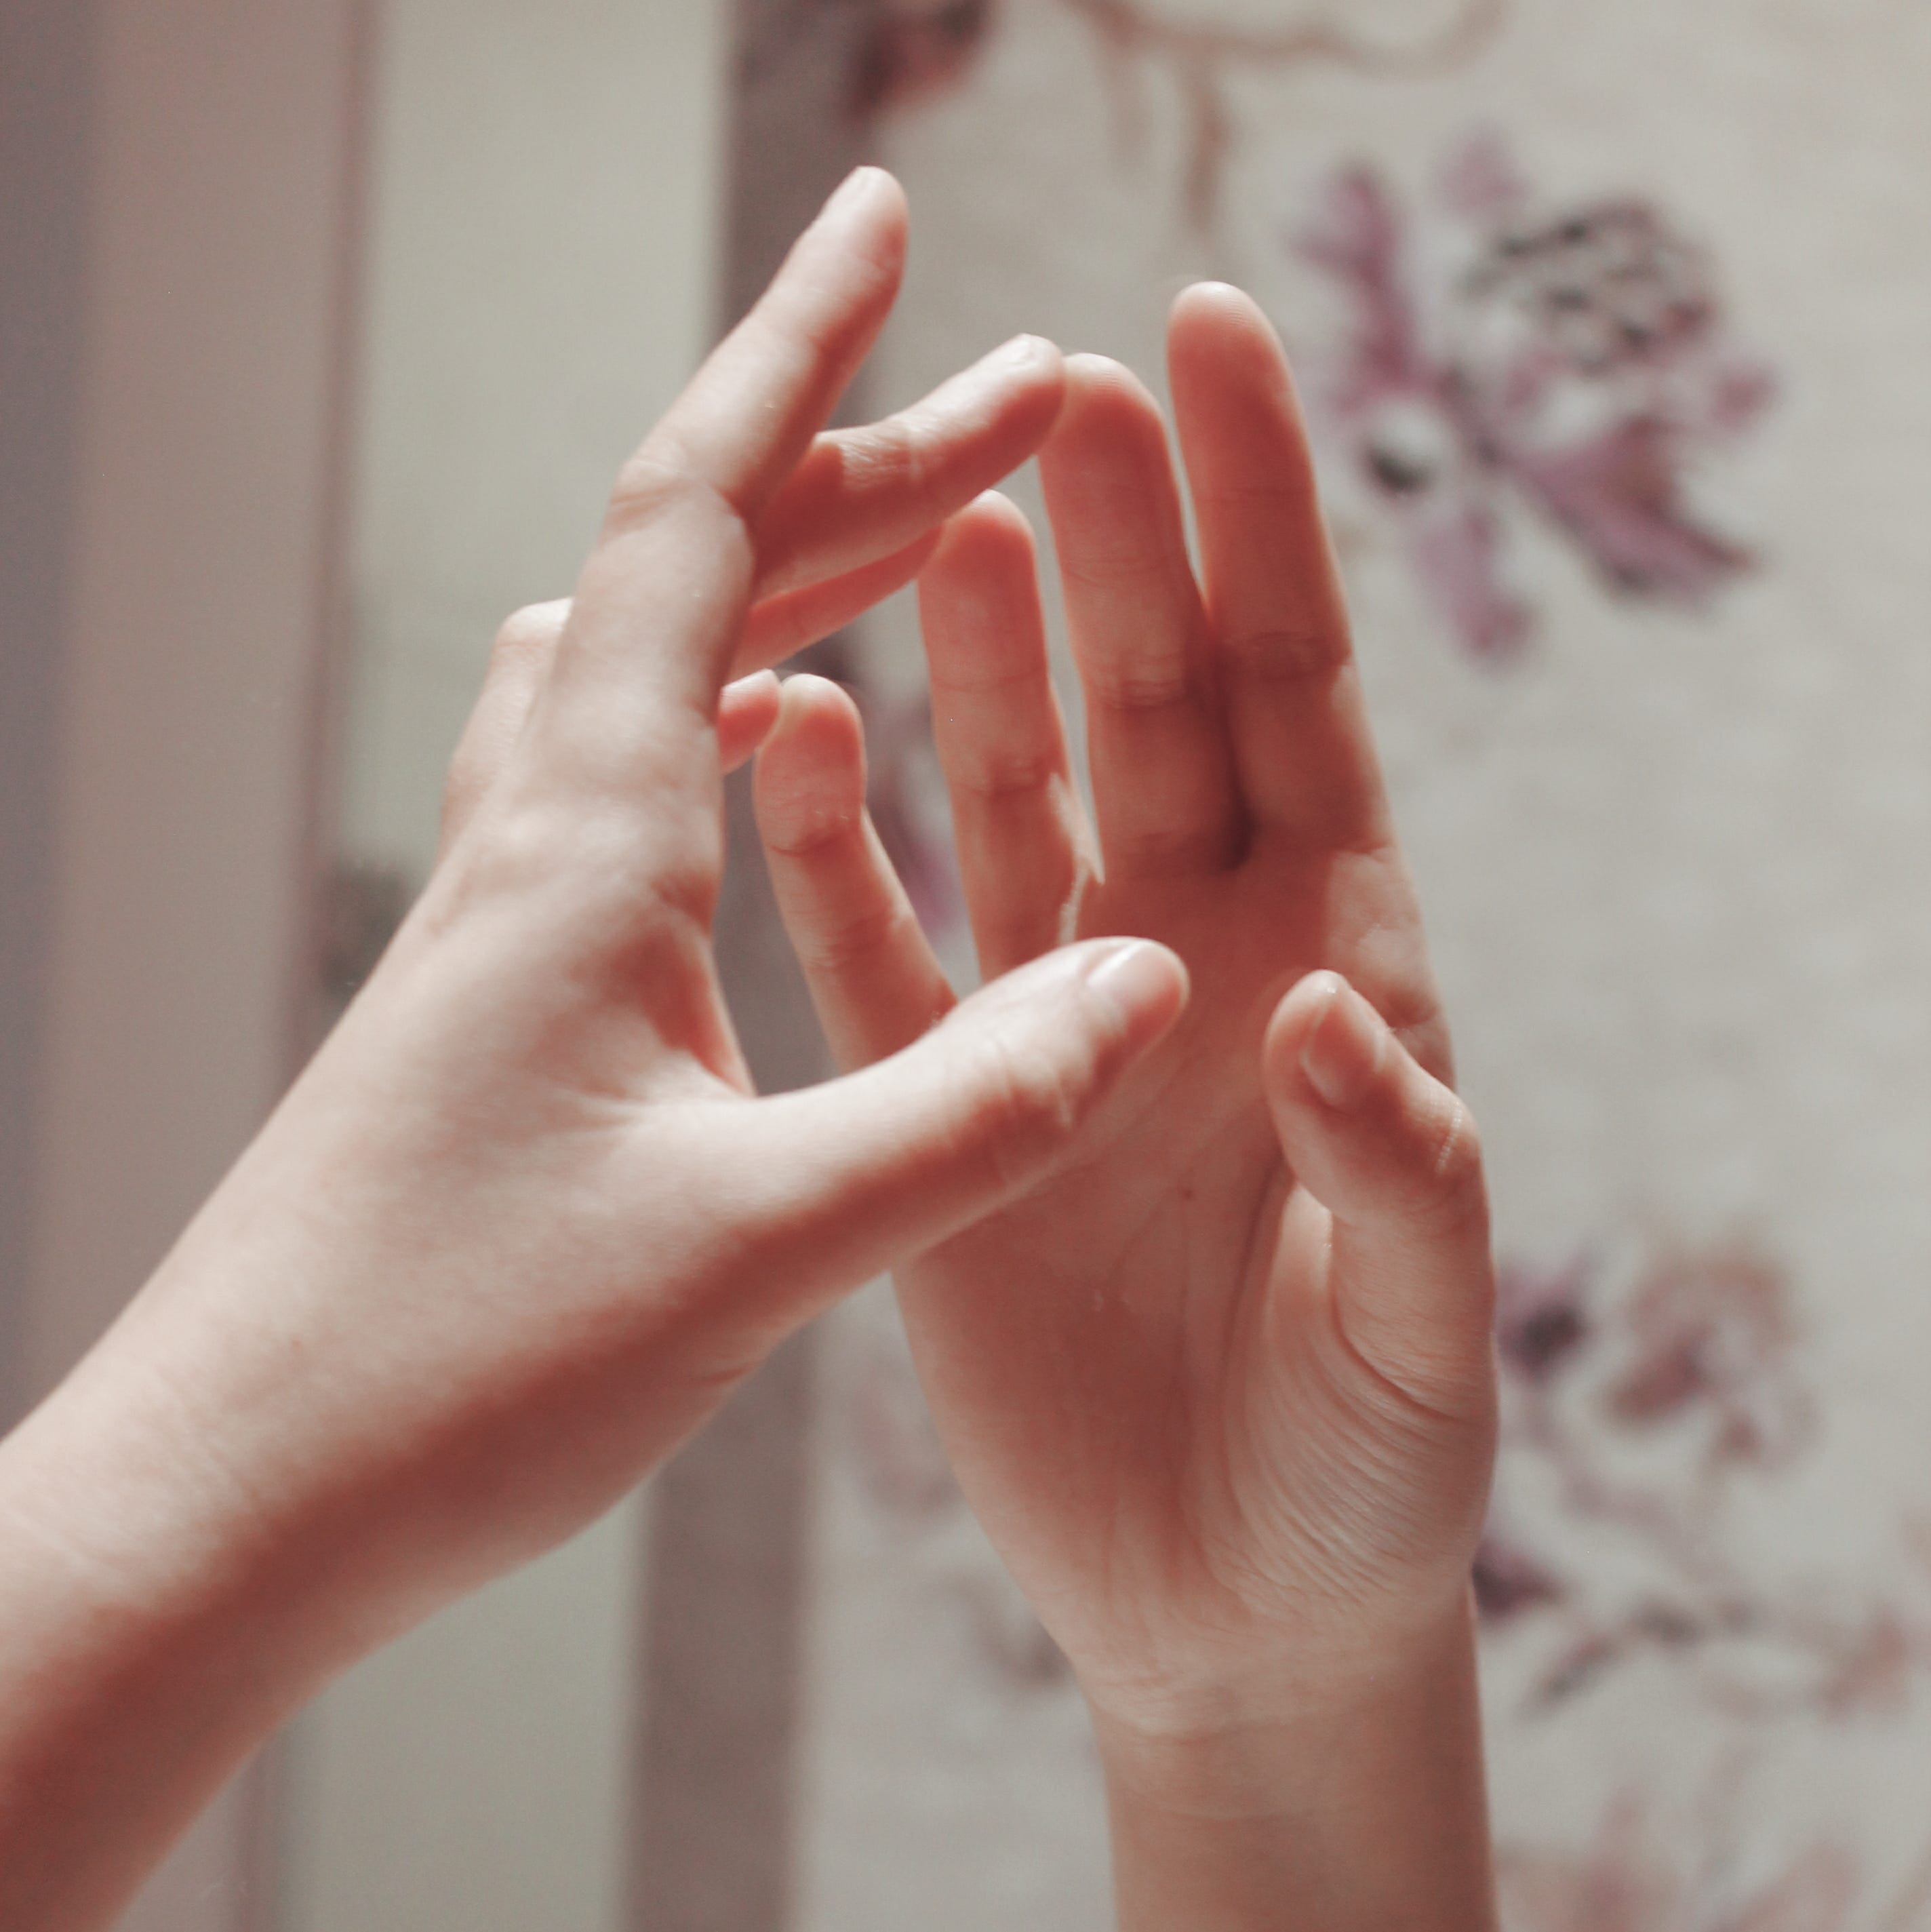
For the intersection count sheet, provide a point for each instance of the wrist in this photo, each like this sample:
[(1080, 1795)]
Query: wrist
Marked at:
[(1202, 1733), (1357, 1802), (1307, 1671)]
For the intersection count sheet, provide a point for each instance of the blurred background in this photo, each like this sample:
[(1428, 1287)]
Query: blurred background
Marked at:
[(322, 330)]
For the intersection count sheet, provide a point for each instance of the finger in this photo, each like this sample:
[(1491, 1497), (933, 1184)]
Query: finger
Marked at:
[(520, 660), (743, 422), (1164, 794), (1393, 1157), (746, 712), (781, 626), (777, 628), (1016, 819), (661, 604), (867, 1171), (872, 976), (860, 494), (1301, 742)]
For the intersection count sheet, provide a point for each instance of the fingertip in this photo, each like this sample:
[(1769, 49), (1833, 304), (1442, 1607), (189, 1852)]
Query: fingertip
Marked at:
[(1030, 363), (869, 198), (1325, 1044), (991, 529), (997, 413), (810, 775), (993, 508), (1110, 434), (1361, 1120), (1299, 1010), (747, 708), (1147, 986), (1213, 302), (819, 715), (1215, 332), (1097, 381)]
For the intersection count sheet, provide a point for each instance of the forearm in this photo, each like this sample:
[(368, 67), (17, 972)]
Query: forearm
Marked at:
[(146, 1647), (1365, 1814)]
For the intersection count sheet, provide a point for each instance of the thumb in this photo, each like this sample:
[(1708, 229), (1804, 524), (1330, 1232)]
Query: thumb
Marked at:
[(1392, 1155), (865, 1171)]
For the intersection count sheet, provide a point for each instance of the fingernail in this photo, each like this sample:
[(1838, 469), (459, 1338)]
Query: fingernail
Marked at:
[(856, 188), (1344, 1051), (1023, 351), (1144, 983)]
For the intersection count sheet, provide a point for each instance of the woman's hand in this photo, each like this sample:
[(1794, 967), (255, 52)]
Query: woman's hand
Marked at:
[(1221, 1391), (521, 1225)]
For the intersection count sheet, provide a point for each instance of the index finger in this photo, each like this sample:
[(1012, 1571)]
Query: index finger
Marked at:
[(661, 599), (750, 412)]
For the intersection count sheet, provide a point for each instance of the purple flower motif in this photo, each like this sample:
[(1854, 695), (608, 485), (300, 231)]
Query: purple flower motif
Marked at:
[(1508, 1581), (1576, 367), (1625, 1883), (911, 51), (1540, 1321)]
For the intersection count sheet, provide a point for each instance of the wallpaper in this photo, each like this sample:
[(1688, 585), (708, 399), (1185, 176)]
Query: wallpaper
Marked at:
[(1615, 322)]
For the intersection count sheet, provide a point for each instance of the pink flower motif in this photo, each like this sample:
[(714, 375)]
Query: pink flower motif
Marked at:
[(1575, 368), (1540, 1321), (911, 51), (1624, 1883), (1714, 1337), (1509, 1581)]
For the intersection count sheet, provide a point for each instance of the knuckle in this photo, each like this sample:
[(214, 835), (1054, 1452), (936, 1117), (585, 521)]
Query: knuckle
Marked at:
[(1162, 851), (1153, 688), (1452, 1172), (656, 484), (893, 455), (1283, 656), (842, 950), (1003, 773)]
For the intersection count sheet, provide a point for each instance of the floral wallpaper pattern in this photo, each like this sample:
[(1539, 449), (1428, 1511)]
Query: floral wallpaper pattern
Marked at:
[(1592, 311), (1572, 362)]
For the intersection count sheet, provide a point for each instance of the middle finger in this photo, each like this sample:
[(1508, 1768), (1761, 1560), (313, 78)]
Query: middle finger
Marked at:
[(1165, 797)]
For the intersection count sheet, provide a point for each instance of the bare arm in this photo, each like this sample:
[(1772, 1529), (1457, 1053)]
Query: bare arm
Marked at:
[(521, 1225)]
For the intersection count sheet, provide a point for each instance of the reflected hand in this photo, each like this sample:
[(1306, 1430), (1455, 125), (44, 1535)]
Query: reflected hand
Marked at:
[(1221, 1392)]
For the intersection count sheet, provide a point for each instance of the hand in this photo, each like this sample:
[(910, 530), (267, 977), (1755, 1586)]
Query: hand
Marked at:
[(520, 1226), (1221, 1391)]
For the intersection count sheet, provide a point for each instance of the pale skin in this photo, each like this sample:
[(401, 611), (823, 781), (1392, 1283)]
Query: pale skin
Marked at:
[(1220, 1389), (522, 1224)]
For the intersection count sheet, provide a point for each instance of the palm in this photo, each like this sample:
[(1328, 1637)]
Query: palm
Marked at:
[(1095, 1330)]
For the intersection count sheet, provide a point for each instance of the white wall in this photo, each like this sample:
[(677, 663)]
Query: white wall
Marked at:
[(543, 236), (540, 282)]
